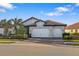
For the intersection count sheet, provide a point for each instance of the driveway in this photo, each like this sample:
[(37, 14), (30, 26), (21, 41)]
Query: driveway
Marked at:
[(36, 49)]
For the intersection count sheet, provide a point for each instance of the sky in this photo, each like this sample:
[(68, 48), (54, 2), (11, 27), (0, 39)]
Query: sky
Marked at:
[(67, 13)]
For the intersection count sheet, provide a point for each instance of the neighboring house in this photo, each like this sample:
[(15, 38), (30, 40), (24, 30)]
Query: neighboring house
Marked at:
[(1, 31), (39, 28), (74, 28), (10, 29)]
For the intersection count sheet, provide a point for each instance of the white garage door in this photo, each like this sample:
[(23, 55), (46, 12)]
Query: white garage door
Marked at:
[(57, 33), (40, 33)]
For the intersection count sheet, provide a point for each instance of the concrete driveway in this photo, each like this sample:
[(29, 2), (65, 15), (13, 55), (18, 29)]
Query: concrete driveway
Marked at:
[(37, 49)]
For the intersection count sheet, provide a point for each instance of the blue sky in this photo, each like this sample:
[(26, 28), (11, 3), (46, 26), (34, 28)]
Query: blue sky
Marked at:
[(62, 12)]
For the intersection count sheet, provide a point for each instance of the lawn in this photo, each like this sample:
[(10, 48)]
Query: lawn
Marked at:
[(6, 41), (75, 42), (71, 40)]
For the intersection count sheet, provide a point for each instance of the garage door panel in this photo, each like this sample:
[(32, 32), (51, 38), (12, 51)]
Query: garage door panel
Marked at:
[(40, 33), (57, 33)]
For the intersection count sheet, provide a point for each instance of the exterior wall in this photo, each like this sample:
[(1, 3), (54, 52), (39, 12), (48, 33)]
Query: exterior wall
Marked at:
[(72, 31), (50, 28), (78, 30), (1, 31), (30, 22), (40, 24), (67, 31)]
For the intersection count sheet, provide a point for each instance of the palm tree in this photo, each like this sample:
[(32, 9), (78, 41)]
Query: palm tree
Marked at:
[(6, 24), (16, 23)]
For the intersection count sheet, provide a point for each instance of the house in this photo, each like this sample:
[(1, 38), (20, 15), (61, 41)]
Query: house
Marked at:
[(39, 28), (74, 28), (10, 29)]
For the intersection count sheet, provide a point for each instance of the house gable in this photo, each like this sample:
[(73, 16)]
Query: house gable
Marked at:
[(29, 21), (39, 23)]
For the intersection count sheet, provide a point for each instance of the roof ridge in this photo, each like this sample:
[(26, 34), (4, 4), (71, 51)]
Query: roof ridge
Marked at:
[(31, 18)]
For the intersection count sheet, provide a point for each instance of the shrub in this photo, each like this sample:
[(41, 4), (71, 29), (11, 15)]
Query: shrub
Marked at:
[(76, 34), (18, 37), (67, 36)]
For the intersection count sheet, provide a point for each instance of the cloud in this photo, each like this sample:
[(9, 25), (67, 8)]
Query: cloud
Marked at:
[(7, 5), (58, 11), (4, 5), (77, 4), (2, 10), (62, 9), (50, 14), (53, 14)]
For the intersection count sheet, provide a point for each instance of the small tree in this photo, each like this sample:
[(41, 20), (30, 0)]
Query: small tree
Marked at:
[(18, 28), (21, 32)]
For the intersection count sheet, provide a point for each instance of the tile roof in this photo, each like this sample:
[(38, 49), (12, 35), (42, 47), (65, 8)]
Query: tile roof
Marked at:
[(73, 26)]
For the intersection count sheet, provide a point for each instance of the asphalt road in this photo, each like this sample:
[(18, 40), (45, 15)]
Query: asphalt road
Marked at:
[(37, 49)]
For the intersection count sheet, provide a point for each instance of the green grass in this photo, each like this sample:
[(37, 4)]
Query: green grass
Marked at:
[(71, 40), (6, 41)]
